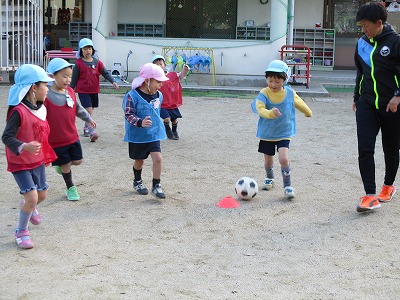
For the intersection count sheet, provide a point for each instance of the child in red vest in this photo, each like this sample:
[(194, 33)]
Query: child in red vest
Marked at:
[(62, 110), (86, 81), (172, 93), (27, 148)]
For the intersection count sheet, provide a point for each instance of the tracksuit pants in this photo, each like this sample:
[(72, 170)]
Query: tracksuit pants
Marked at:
[(369, 121)]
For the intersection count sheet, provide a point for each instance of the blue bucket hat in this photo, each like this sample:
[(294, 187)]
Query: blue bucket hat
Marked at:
[(57, 64), (85, 42), (24, 77), (157, 57), (279, 66), (82, 44)]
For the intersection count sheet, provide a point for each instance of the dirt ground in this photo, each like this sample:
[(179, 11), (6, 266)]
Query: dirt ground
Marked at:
[(116, 244)]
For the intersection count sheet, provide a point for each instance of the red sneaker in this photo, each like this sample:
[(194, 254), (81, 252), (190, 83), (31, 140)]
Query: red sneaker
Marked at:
[(387, 193), (368, 203)]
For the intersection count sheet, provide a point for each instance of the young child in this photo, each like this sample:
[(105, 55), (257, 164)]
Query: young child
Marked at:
[(172, 97), (27, 148), (276, 105), (62, 110), (86, 81), (143, 126)]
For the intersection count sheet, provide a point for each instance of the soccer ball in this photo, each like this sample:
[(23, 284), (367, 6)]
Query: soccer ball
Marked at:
[(246, 188)]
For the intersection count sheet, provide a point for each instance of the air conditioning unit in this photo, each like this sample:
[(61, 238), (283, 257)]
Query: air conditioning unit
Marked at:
[(118, 72)]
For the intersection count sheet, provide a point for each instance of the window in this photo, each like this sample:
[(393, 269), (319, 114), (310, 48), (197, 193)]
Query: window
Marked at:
[(341, 15), (61, 12), (201, 19)]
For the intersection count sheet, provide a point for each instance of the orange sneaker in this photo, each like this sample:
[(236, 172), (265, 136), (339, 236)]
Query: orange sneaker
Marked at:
[(387, 193), (368, 203)]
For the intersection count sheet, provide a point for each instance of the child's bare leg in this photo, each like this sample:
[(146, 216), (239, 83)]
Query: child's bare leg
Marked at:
[(157, 161)]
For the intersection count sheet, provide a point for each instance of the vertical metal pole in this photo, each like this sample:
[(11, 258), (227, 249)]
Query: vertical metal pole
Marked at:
[(291, 22)]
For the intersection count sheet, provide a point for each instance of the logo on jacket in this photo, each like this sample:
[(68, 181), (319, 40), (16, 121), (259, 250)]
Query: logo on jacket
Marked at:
[(385, 51)]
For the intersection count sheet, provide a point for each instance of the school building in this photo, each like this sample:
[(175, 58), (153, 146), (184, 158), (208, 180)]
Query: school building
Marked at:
[(224, 37)]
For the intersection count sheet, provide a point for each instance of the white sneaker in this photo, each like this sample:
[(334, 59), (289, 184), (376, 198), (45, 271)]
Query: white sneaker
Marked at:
[(157, 191), (268, 184), (289, 193)]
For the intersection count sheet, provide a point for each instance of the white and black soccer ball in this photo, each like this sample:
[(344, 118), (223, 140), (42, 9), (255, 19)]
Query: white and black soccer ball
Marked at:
[(246, 188)]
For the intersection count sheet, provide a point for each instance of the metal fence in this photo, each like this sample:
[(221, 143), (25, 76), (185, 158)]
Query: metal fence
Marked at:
[(21, 33)]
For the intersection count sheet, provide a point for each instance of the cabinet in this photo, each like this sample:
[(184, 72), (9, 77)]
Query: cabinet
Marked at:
[(321, 43), (147, 30), (78, 31), (252, 33), (297, 57)]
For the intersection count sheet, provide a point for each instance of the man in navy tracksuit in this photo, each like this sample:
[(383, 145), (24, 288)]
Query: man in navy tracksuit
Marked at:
[(376, 100)]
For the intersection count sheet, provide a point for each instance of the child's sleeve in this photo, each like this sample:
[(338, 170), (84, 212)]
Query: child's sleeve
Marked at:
[(105, 73), (82, 113), (259, 107), (301, 105), (10, 132), (130, 112), (75, 75)]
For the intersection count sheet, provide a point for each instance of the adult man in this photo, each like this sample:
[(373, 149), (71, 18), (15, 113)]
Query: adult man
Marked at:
[(376, 100)]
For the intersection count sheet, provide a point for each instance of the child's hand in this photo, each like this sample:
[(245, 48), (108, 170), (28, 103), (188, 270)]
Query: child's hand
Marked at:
[(33, 147), (277, 112), (93, 124), (115, 85), (146, 122)]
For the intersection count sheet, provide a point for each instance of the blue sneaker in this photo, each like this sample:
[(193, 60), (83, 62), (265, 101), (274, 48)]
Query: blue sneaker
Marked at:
[(140, 187)]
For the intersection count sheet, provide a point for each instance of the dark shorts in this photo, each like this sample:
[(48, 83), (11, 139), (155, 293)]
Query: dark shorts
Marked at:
[(142, 150), (89, 100), (29, 180), (68, 153), (268, 147), (170, 113)]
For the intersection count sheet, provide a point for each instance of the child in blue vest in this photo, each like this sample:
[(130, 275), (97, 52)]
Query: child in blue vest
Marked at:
[(276, 106), (144, 127)]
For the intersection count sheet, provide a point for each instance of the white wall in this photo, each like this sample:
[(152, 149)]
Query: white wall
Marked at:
[(258, 12), (308, 12), (239, 56)]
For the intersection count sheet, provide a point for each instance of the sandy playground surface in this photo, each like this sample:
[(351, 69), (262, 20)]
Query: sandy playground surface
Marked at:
[(116, 244)]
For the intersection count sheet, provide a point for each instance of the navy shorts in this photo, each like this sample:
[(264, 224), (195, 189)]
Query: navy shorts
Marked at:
[(68, 153), (268, 147), (89, 100), (29, 180), (142, 150), (170, 113)]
